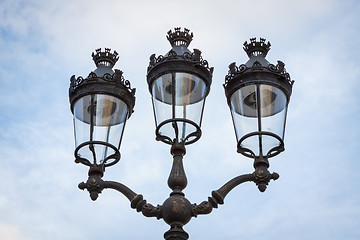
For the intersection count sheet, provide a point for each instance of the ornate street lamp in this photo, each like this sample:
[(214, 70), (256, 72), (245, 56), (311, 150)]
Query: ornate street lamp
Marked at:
[(179, 83), (258, 94), (101, 104)]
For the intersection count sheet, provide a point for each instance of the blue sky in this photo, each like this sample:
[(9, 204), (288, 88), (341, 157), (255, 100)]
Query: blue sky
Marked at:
[(43, 43)]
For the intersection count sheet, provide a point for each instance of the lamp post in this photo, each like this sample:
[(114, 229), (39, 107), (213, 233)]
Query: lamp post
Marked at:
[(179, 81)]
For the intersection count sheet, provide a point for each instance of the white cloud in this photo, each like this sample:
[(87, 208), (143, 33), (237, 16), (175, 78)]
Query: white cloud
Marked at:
[(10, 232), (45, 42)]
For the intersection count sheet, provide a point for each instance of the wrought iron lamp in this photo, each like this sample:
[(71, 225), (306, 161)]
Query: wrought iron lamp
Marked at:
[(101, 104), (257, 92), (179, 83)]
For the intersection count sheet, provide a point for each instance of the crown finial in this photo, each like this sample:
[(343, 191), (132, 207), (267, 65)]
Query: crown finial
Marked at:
[(256, 48), (105, 58), (180, 38)]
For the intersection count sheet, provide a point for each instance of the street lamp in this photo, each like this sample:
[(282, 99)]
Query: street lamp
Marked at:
[(101, 104), (179, 83), (257, 92)]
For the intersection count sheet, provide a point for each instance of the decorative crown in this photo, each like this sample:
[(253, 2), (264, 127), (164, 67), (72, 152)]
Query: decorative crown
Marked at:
[(180, 38), (255, 48), (105, 58)]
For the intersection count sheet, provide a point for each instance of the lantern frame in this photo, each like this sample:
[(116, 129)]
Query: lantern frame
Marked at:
[(109, 84), (258, 71), (179, 60)]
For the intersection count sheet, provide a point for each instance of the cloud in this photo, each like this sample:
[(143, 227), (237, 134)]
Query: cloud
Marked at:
[(10, 232), (45, 42)]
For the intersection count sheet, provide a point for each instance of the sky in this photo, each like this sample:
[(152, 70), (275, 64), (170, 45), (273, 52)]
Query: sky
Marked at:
[(44, 42)]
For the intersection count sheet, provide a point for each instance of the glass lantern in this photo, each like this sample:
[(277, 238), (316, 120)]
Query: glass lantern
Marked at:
[(179, 83), (258, 94), (101, 104)]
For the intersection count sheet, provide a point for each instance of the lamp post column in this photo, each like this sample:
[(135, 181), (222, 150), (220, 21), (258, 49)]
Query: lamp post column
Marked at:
[(177, 210)]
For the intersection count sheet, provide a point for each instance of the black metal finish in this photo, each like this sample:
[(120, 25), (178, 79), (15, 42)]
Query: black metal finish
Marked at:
[(195, 135), (108, 84), (179, 60), (106, 162), (177, 210), (272, 152), (95, 185), (114, 85), (257, 71)]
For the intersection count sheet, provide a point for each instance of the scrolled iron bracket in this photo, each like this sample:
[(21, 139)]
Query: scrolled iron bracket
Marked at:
[(95, 184), (147, 209), (177, 210), (261, 177)]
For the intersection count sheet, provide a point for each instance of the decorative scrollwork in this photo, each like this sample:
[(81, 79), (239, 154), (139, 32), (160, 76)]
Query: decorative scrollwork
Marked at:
[(242, 68), (204, 207), (149, 210), (256, 66), (272, 68), (205, 63), (279, 69), (188, 56), (193, 57), (74, 82), (262, 177), (140, 204), (172, 55), (127, 84), (159, 59), (164, 139), (94, 185), (92, 77), (117, 78), (108, 77), (234, 71)]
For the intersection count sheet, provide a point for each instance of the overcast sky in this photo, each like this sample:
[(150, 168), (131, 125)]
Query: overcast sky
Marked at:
[(44, 42)]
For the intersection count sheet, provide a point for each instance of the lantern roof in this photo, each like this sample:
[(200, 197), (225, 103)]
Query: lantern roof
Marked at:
[(257, 70), (179, 59), (103, 80)]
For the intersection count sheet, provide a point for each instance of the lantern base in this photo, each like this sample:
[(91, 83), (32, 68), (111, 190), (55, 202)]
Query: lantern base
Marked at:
[(275, 150), (188, 138), (108, 161)]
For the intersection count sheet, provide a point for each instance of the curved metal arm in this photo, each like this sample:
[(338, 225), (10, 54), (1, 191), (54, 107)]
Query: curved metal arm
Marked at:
[(137, 201), (95, 185), (261, 176), (221, 193), (127, 192)]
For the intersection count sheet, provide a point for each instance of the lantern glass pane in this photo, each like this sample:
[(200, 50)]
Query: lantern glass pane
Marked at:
[(256, 110), (244, 111), (273, 115), (178, 96), (102, 118)]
